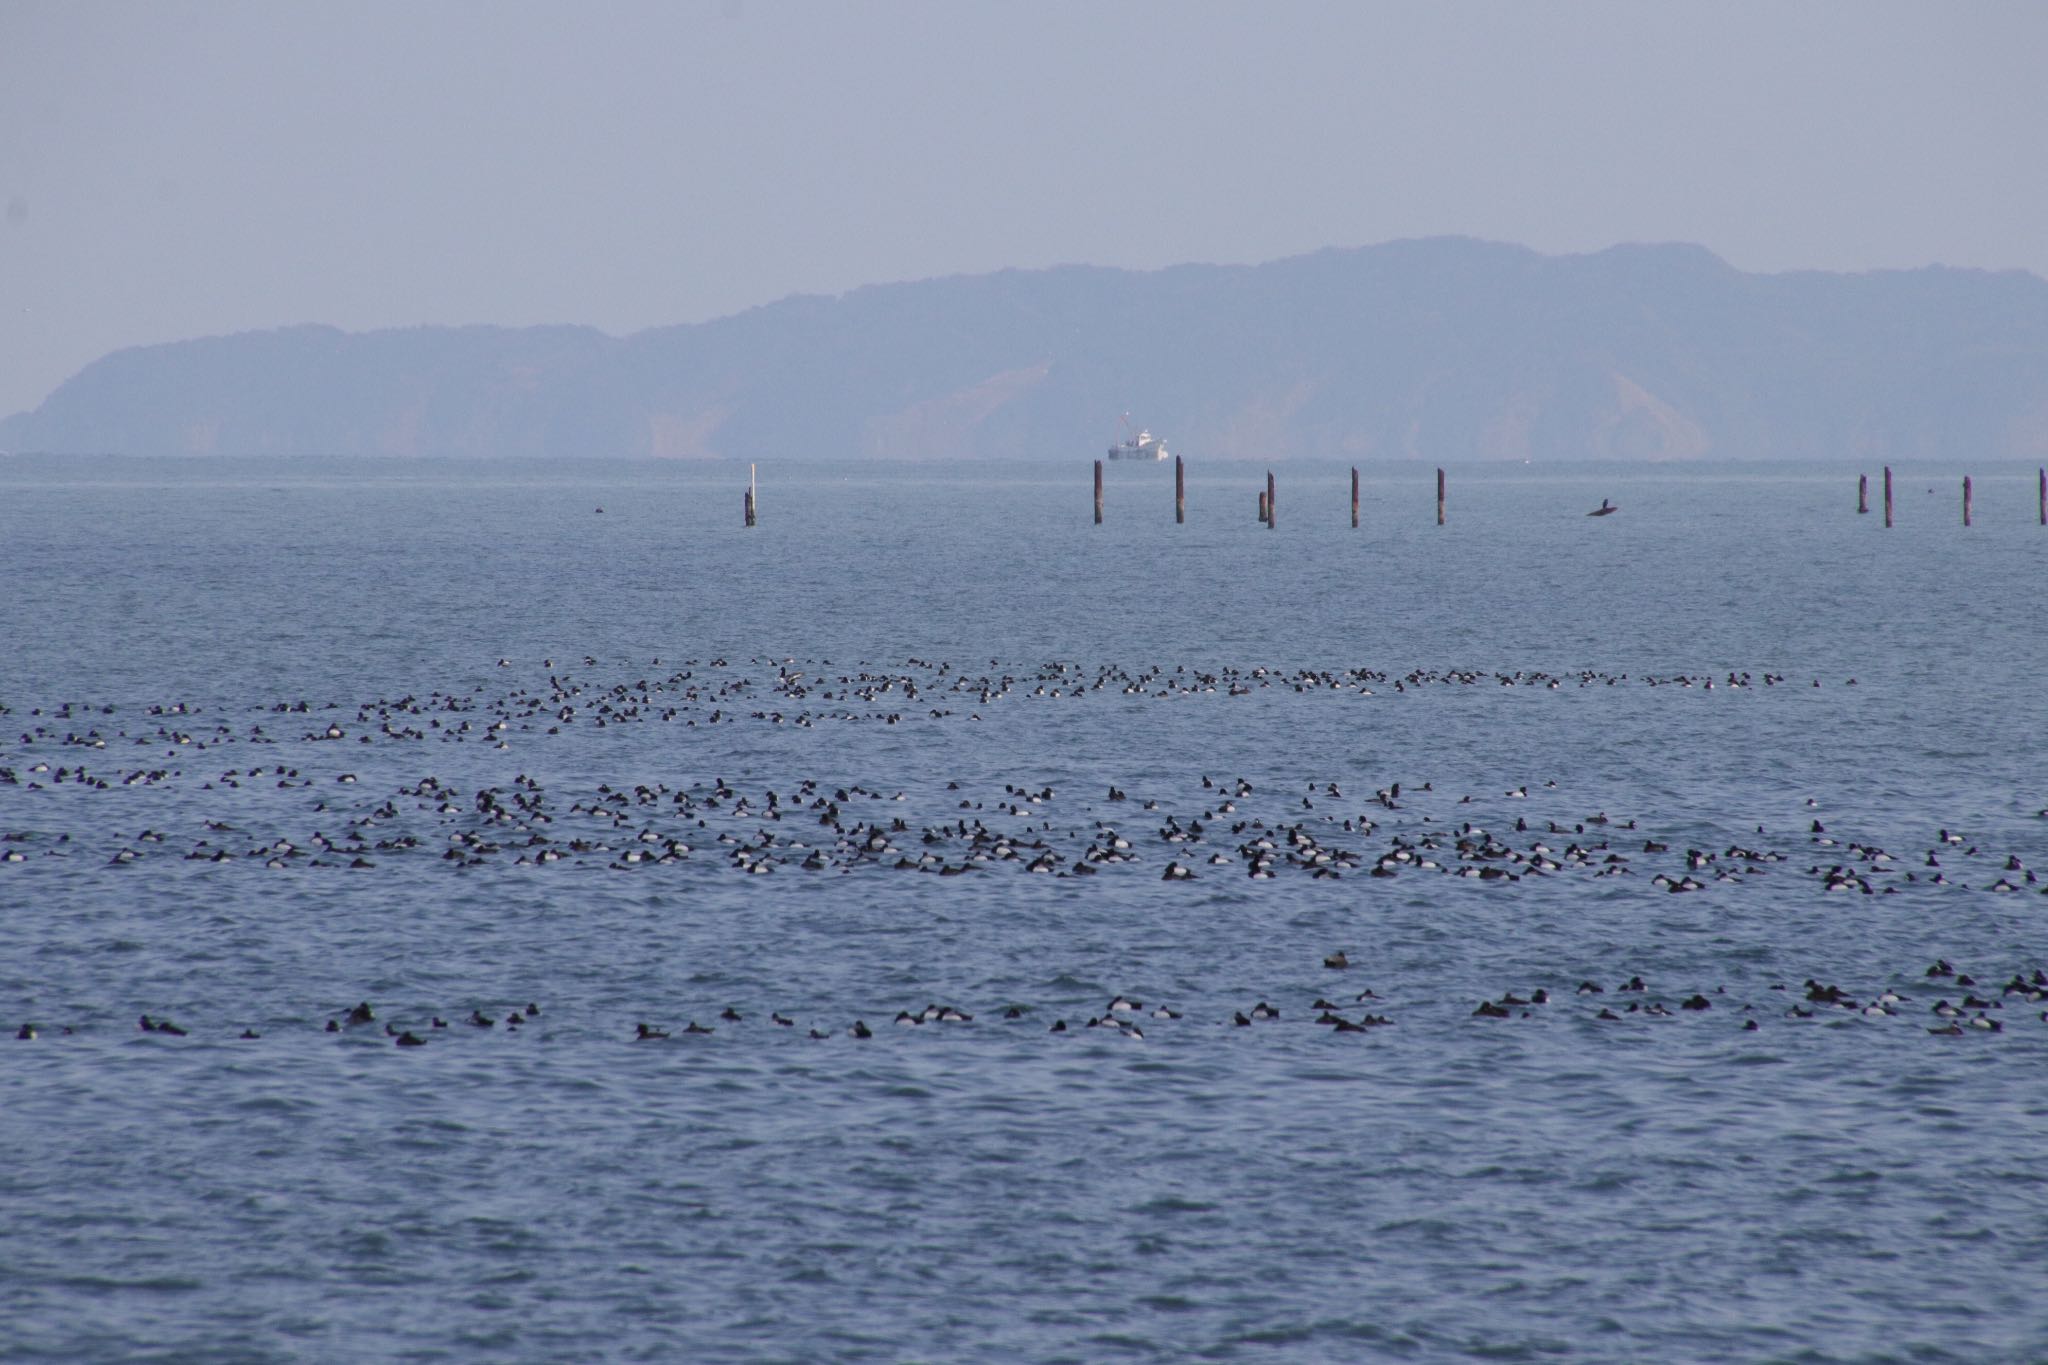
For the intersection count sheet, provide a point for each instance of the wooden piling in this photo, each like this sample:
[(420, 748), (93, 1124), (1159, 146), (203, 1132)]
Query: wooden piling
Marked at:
[(1439, 497), (1180, 492), (2044, 496), (1262, 505), (1272, 510), (1862, 494), (1966, 499), (1098, 492), (750, 507), (1354, 497), (1887, 497)]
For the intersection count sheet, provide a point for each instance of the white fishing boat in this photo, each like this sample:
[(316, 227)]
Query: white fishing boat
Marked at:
[(1138, 445)]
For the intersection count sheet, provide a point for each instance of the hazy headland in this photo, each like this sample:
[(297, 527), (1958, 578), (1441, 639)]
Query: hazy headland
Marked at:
[(1432, 349)]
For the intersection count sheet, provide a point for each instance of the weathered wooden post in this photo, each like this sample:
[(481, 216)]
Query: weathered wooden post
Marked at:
[(1966, 499), (1180, 492), (1272, 510), (2044, 496), (1887, 497), (750, 495), (1439, 497), (1354, 497), (1262, 505), (1098, 492), (1862, 494)]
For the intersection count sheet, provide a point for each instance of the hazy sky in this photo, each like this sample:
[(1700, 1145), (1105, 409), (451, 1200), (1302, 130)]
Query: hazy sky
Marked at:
[(171, 170)]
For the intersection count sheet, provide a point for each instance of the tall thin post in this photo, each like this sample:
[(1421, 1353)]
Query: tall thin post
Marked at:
[(1262, 506), (1180, 492), (752, 495), (2044, 497), (1098, 492), (1887, 497), (1439, 497), (1272, 511), (1354, 497), (1966, 499), (1862, 494)]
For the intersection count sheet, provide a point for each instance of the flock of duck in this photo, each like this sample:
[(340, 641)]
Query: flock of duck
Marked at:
[(787, 691), (1960, 1005), (278, 786), (1311, 829)]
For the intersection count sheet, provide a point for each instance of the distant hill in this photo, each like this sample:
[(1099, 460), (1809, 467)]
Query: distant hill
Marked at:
[(1436, 349)]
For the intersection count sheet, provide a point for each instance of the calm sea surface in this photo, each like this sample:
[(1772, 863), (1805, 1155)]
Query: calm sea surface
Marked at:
[(282, 740)]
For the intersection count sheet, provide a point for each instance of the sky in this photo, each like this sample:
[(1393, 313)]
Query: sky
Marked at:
[(172, 170)]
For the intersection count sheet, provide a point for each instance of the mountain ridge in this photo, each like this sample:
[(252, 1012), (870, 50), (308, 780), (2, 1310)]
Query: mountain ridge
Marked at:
[(1424, 348)]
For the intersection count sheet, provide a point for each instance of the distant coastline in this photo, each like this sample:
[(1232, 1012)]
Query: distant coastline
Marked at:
[(1437, 350)]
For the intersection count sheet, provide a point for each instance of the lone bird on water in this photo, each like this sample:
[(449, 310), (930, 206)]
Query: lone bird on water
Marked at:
[(1605, 509)]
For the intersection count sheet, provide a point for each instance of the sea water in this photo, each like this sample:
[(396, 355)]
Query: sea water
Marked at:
[(285, 738)]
